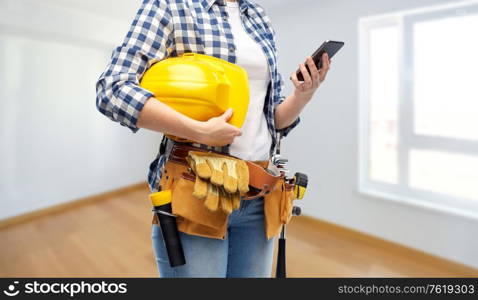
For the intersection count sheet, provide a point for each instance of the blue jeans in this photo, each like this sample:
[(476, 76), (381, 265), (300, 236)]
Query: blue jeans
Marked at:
[(245, 251)]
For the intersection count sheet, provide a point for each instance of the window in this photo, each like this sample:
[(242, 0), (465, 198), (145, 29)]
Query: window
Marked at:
[(419, 107)]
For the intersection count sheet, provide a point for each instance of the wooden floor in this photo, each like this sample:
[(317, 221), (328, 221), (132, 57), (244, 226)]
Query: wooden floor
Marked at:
[(110, 237)]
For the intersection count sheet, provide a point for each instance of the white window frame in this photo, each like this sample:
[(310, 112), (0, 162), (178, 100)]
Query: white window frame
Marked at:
[(407, 139)]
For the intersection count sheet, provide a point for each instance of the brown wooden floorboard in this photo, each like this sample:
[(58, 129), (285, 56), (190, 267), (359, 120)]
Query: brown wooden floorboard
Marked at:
[(110, 237)]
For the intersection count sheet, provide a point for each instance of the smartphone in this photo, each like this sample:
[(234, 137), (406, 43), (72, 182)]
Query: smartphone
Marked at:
[(331, 47)]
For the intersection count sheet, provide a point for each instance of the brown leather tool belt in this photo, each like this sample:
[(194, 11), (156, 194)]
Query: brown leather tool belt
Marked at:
[(260, 181)]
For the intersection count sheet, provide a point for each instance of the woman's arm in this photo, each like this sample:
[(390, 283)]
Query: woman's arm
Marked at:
[(121, 99), (119, 96), (288, 111), (158, 116)]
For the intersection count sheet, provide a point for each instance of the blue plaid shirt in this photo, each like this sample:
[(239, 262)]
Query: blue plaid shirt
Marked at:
[(164, 28)]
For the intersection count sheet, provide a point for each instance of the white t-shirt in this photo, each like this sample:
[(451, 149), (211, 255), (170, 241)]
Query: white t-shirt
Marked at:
[(255, 141)]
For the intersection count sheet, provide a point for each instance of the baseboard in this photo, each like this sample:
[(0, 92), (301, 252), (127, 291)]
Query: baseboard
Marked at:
[(390, 246), (54, 209)]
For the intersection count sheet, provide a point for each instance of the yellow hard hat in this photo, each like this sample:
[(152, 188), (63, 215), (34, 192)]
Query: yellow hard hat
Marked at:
[(200, 86)]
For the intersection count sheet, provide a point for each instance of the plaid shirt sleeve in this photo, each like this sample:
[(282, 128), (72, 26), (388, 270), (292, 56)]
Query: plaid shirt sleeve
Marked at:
[(278, 100), (119, 96)]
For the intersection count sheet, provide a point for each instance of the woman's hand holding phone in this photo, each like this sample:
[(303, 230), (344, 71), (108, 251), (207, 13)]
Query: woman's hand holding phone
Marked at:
[(304, 90), (306, 83)]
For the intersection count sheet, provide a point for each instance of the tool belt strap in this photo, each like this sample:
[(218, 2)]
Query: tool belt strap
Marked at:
[(260, 180)]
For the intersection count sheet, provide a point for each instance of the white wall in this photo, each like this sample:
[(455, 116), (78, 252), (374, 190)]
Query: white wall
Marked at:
[(325, 146), (54, 145)]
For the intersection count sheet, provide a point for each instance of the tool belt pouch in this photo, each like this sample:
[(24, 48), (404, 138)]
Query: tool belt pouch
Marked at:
[(192, 216), (278, 206), (196, 219)]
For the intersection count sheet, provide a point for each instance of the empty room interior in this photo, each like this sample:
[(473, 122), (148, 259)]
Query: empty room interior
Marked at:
[(388, 142)]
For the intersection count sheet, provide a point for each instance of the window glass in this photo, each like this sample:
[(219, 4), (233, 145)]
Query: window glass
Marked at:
[(447, 173), (446, 77), (383, 104)]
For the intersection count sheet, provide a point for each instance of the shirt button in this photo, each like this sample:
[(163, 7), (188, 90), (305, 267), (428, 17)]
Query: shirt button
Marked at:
[(232, 49)]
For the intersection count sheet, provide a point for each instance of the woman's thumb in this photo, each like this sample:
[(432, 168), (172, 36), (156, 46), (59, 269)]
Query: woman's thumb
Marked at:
[(227, 114)]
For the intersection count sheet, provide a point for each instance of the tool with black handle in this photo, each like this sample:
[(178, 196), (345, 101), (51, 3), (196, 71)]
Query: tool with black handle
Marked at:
[(162, 207), (300, 181), (281, 257)]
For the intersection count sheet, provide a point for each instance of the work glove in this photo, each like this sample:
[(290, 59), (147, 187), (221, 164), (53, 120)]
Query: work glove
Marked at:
[(219, 180)]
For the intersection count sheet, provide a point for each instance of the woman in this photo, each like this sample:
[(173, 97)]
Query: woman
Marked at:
[(237, 31)]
